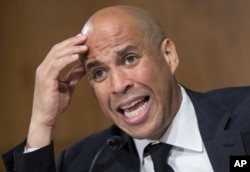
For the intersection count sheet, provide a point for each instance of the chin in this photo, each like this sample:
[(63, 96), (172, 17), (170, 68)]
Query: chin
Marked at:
[(142, 135)]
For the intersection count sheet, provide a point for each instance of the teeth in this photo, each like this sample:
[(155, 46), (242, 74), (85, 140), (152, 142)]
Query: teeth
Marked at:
[(131, 114), (132, 104)]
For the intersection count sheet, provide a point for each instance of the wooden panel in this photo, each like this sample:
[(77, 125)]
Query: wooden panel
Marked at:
[(212, 39)]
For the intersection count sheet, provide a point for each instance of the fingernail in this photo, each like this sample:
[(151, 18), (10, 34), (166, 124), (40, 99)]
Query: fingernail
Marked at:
[(74, 56), (84, 47)]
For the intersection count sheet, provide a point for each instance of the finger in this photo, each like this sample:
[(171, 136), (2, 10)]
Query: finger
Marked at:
[(72, 45), (74, 76), (54, 67), (75, 40), (77, 49)]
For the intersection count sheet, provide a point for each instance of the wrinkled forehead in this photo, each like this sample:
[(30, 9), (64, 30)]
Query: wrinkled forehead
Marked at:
[(107, 34)]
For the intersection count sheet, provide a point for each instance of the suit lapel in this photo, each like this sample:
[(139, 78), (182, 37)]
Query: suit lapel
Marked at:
[(213, 123)]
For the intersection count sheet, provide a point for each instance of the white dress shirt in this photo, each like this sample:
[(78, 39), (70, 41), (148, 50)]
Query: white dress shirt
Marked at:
[(188, 153)]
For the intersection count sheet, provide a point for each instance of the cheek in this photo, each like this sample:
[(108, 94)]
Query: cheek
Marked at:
[(103, 98), (101, 95), (158, 78), (148, 75), (144, 74)]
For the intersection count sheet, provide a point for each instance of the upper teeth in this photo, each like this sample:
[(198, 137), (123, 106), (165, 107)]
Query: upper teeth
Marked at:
[(135, 112), (131, 104)]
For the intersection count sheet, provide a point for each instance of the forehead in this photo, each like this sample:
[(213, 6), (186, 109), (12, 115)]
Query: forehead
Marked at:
[(111, 29), (94, 61), (105, 38)]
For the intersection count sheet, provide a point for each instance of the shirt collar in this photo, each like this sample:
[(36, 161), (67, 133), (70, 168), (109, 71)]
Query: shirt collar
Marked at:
[(183, 131)]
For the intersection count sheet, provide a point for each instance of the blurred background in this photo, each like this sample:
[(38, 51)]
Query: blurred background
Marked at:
[(212, 39)]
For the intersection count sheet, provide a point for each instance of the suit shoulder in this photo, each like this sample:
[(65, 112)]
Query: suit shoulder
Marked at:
[(230, 97), (230, 92)]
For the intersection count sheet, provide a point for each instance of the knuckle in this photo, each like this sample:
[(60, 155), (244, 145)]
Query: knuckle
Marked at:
[(76, 49), (39, 73), (55, 65), (55, 47), (38, 69)]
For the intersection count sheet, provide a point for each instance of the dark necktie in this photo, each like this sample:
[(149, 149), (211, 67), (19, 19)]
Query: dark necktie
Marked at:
[(159, 153)]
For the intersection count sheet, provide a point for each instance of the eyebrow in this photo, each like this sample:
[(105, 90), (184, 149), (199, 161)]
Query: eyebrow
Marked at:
[(92, 64), (119, 53), (126, 49)]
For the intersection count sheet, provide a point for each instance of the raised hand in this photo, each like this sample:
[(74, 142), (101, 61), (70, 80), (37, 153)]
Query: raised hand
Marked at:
[(52, 95)]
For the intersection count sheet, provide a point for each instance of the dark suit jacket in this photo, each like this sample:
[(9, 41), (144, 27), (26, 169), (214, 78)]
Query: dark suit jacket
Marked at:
[(224, 122)]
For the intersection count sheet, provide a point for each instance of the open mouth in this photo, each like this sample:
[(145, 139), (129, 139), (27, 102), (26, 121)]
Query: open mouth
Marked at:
[(134, 108)]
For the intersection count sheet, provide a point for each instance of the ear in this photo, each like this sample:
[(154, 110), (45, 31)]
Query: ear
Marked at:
[(170, 54)]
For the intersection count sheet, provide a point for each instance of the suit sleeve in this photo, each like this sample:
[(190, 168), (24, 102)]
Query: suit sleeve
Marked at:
[(41, 160)]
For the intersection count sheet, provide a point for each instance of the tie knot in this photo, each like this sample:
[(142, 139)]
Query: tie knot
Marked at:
[(159, 153), (159, 149)]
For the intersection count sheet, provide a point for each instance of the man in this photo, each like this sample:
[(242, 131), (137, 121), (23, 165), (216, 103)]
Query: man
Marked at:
[(131, 64)]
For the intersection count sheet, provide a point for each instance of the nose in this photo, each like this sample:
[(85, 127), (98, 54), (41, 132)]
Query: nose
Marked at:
[(121, 82)]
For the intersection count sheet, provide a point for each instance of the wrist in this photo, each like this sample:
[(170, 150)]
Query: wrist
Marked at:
[(39, 135)]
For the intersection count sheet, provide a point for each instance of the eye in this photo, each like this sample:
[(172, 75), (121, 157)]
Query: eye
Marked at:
[(99, 75), (130, 59)]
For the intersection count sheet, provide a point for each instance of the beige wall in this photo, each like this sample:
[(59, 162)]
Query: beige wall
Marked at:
[(212, 39)]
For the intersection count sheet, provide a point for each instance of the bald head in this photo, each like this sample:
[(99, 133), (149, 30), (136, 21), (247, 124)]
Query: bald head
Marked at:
[(124, 16), (131, 65)]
